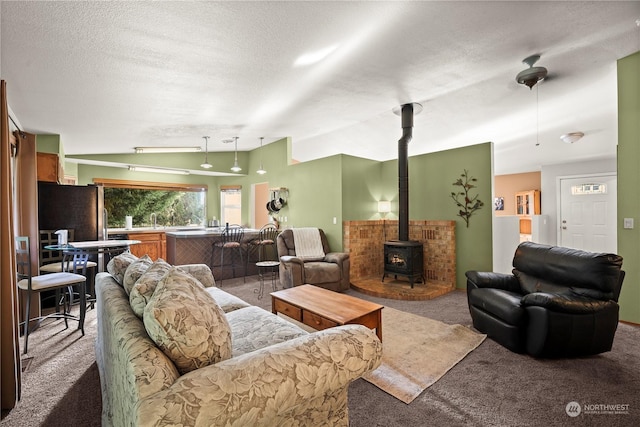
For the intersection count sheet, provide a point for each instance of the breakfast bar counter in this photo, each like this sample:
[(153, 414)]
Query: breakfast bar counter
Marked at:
[(197, 246)]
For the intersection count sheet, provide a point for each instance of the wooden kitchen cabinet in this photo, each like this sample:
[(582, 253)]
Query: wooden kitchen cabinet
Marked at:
[(49, 168), (528, 203), (153, 244)]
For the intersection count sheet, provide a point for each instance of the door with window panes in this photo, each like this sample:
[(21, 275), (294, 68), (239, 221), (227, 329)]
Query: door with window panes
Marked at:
[(588, 213)]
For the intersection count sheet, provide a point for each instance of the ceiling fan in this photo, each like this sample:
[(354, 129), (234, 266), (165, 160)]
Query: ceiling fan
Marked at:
[(531, 75)]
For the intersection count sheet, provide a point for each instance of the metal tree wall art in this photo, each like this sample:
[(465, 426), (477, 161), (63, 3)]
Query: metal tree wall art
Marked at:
[(467, 202)]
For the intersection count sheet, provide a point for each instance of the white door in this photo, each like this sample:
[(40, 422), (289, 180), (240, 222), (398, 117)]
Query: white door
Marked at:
[(588, 213)]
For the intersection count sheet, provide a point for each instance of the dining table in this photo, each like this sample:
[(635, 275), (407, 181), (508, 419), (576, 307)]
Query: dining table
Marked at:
[(99, 247)]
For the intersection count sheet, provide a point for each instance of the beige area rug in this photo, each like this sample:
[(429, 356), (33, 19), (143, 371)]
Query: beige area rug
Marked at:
[(417, 352)]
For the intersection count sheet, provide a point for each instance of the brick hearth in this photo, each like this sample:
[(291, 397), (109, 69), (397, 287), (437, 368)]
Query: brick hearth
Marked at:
[(364, 241)]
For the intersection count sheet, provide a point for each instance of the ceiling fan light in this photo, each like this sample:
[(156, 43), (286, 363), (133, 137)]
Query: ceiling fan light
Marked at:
[(571, 137), (531, 75)]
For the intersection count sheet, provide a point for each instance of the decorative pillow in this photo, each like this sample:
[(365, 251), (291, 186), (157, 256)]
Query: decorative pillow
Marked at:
[(134, 271), (186, 323), (202, 272), (143, 289), (118, 265)]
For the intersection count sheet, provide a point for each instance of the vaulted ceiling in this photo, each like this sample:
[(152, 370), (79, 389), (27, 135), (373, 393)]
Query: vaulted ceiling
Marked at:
[(109, 76)]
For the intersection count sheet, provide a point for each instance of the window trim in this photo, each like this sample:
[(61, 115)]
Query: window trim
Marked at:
[(149, 185)]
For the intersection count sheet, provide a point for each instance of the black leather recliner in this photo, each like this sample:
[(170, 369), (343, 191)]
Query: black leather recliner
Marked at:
[(558, 302)]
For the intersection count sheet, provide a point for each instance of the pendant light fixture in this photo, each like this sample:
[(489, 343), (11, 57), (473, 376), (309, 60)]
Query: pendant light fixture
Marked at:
[(206, 163), (236, 167), (261, 171)]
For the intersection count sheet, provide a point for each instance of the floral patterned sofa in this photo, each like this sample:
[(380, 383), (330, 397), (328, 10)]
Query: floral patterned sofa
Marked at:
[(172, 349)]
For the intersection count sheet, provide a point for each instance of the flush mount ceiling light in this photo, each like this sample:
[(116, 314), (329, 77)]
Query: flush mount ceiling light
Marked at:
[(157, 170), (261, 171), (236, 167), (531, 75), (168, 149), (571, 137), (206, 163)]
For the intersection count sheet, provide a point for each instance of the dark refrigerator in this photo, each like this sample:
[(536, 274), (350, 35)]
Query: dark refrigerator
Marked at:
[(76, 207), (72, 207)]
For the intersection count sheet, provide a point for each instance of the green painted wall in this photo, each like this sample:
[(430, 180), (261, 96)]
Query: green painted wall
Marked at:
[(274, 161), (431, 178), (221, 162), (49, 144), (316, 197), (628, 183), (314, 187), (342, 187), (361, 188), (431, 183)]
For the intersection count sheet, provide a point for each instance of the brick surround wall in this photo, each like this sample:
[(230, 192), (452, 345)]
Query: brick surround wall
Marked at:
[(364, 241)]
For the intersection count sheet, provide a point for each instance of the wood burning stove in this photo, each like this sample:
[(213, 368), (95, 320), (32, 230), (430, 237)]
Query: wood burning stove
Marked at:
[(403, 258)]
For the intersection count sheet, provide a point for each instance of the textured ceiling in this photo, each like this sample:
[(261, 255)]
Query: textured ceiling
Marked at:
[(109, 76)]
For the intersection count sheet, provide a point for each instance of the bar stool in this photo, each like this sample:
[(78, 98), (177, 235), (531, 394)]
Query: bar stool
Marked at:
[(271, 268), (231, 243), (266, 239), (59, 282)]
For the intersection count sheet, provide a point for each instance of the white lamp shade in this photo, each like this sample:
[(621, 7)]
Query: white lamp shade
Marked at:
[(384, 206)]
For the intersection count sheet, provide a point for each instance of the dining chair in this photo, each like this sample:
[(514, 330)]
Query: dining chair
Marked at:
[(32, 286), (75, 261), (231, 243), (56, 261), (51, 260)]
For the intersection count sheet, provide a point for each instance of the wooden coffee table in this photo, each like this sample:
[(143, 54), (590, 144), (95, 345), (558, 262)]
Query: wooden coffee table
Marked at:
[(320, 308)]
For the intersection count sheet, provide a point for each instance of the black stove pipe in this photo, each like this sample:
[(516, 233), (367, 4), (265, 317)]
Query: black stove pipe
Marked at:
[(403, 172)]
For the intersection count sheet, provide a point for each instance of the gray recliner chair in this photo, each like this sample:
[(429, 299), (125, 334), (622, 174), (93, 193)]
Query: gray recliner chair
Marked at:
[(331, 272)]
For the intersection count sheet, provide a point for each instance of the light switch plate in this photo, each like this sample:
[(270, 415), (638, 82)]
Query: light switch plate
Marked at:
[(628, 223)]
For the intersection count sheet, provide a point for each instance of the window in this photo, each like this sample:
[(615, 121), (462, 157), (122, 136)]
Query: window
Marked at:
[(586, 189), (174, 205), (231, 205)]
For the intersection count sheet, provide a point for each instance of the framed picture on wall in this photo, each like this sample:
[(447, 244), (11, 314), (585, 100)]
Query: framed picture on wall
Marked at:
[(499, 203)]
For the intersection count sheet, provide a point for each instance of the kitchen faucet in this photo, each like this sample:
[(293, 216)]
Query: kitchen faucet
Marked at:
[(105, 220), (153, 220)]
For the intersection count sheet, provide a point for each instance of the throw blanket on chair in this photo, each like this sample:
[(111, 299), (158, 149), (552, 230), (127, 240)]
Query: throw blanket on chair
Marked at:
[(308, 244)]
